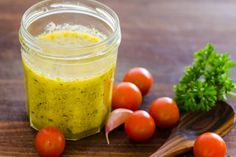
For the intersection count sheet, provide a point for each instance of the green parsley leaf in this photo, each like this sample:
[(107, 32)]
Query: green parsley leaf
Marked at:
[(205, 81)]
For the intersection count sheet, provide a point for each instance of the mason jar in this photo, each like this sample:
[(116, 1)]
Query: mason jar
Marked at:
[(69, 52)]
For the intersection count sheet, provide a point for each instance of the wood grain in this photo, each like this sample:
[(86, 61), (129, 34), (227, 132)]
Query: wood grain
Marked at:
[(157, 34), (219, 120)]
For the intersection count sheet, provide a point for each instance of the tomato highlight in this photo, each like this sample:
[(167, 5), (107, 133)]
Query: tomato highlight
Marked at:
[(50, 142), (140, 126), (141, 77), (165, 112), (126, 95), (209, 145)]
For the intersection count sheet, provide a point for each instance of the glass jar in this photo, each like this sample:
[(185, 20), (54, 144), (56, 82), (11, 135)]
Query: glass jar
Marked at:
[(69, 52)]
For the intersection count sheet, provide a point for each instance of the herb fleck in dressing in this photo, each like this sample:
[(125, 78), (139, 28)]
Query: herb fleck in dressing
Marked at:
[(78, 107)]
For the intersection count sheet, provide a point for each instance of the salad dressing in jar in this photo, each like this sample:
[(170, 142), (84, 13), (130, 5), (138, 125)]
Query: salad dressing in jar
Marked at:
[(69, 53)]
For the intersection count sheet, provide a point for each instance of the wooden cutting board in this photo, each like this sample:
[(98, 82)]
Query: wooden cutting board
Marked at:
[(159, 35)]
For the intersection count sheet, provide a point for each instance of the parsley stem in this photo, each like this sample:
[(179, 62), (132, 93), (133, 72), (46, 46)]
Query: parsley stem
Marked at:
[(232, 94)]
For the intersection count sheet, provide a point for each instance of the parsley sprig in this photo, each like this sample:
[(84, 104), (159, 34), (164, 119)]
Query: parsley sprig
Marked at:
[(206, 81)]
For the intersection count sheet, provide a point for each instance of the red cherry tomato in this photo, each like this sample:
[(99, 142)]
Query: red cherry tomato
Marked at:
[(140, 126), (126, 95), (165, 112), (141, 77), (209, 145), (50, 142)]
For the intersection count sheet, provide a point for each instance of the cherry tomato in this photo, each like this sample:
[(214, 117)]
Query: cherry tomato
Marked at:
[(165, 112), (141, 77), (140, 126), (209, 145), (50, 142), (126, 95)]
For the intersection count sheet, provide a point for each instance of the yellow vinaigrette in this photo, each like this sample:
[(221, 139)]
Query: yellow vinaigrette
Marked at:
[(78, 107), (69, 37)]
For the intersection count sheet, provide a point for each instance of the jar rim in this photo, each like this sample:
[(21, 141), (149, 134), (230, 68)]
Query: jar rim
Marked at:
[(33, 41)]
